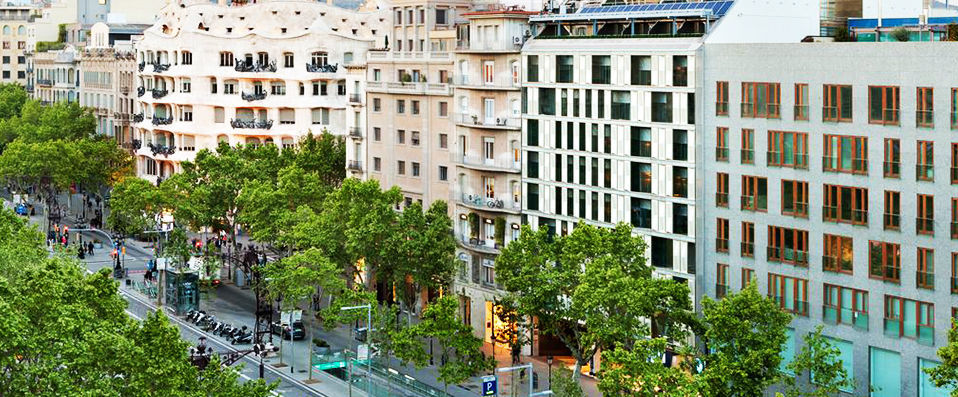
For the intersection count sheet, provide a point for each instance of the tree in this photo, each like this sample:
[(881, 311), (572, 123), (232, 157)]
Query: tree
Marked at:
[(900, 34), (424, 257), (946, 374), (460, 352), (66, 332), (563, 384), (135, 205), (591, 289), (745, 332), (639, 372), (823, 363)]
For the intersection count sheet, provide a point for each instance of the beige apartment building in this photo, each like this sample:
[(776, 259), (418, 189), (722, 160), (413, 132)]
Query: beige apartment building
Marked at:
[(267, 72), (409, 96), (13, 42), (107, 71), (57, 76), (486, 193)]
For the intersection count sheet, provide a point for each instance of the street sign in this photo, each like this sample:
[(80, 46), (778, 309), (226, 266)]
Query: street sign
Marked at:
[(331, 365), (490, 386)]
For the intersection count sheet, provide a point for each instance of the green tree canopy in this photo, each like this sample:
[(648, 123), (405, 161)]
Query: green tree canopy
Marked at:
[(946, 374)]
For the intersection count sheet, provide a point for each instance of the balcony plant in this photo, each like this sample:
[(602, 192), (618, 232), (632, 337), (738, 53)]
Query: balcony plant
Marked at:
[(474, 225), (405, 78)]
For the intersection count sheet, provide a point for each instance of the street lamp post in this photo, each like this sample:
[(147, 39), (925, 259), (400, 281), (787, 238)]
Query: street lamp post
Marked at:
[(549, 360), (369, 359)]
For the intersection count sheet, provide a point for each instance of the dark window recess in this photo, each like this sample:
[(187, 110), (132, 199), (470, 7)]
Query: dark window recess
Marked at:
[(661, 252), (641, 213), (680, 219)]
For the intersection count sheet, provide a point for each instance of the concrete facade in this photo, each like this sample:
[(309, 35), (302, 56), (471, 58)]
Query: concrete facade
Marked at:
[(57, 75), (268, 72), (106, 83), (868, 178), (14, 22)]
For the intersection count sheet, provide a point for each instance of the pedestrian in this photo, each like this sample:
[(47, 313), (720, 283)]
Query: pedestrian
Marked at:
[(63, 240), (89, 248)]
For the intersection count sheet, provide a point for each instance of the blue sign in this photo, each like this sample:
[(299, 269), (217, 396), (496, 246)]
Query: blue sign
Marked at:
[(490, 386)]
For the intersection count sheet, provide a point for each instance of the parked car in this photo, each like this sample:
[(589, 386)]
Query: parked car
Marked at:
[(297, 329), (23, 209)]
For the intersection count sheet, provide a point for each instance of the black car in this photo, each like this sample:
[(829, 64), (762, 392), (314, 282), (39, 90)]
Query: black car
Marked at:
[(298, 330)]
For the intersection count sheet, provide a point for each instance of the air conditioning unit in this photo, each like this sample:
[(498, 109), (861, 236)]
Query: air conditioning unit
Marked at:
[(517, 40)]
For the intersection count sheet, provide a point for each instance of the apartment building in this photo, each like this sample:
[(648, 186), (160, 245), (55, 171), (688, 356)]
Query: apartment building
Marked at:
[(57, 75), (107, 72), (409, 98), (14, 20), (610, 97), (486, 155), (265, 72), (824, 167)]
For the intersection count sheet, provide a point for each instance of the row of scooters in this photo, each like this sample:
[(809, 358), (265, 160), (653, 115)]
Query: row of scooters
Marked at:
[(209, 323)]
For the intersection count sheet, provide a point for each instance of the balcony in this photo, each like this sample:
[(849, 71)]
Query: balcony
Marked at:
[(157, 120), (753, 203), (254, 67), (408, 88), (355, 98), (313, 68), (356, 132), (253, 97), (158, 93), (748, 249), (721, 154), (125, 90), (925, 172), (481, 203), (140, 66), (892, 169), (252, 124), (161, 149), (484, 164), (140, 91), (465, 46), (485, 246), (136, 144), (832, 214), (354, 165), (777, 159), (498, 123), (788, 255), (409, 55), (925, 225), (721, 291), (138, 117), (45, 82), (854, 166), (836, 315), (160, 67), (496, 84)]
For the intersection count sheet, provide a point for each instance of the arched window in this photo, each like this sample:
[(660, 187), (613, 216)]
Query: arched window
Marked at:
[(22, 30), (6, 30)]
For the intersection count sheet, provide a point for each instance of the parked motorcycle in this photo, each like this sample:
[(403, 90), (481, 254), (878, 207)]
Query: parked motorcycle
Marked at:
[(225, 330), (189, 314), (245, 336)]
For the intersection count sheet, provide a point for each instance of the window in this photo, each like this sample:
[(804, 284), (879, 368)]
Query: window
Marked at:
[(760, 100), (721, 241), (226, 59), (641, 70), (187, 58), (319, 58), (837, 255), (925, 221), (954, 277), (747, 276), (954, 219), (640, 141), (443, 173), (884, 261), (721, 144), (754, 193), (925, 169), (641, 177), (287, 116), (229, 87), (680, 182), (845, 154), (641, 211), (547, 101), (564, 68), (401, 167), (680, 70), (532, 132), (748, 240), (600, 104), (414, 138), (883, 105), (892, 164), (288, 60), (791, 294), (532, 68), (443, 141), (620, 105), (787, 245), (377, 134), (884, 372), (377, 104), (787, 149), (415, 107), (748, 146), (795, 198), (680, 216), (721, 280), (721, 98), (844, 305), (441, 16), (954, 108), (601, 69), (415, 169), (400, 106), (443, 109), (845, 204), (837, 103), (278, 88), (801, 101), (721, 189), (661, 107), (925, 273), (892, 210), (185, 85), (925, 107), (909, 319), (400, 137), (219, 115)]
